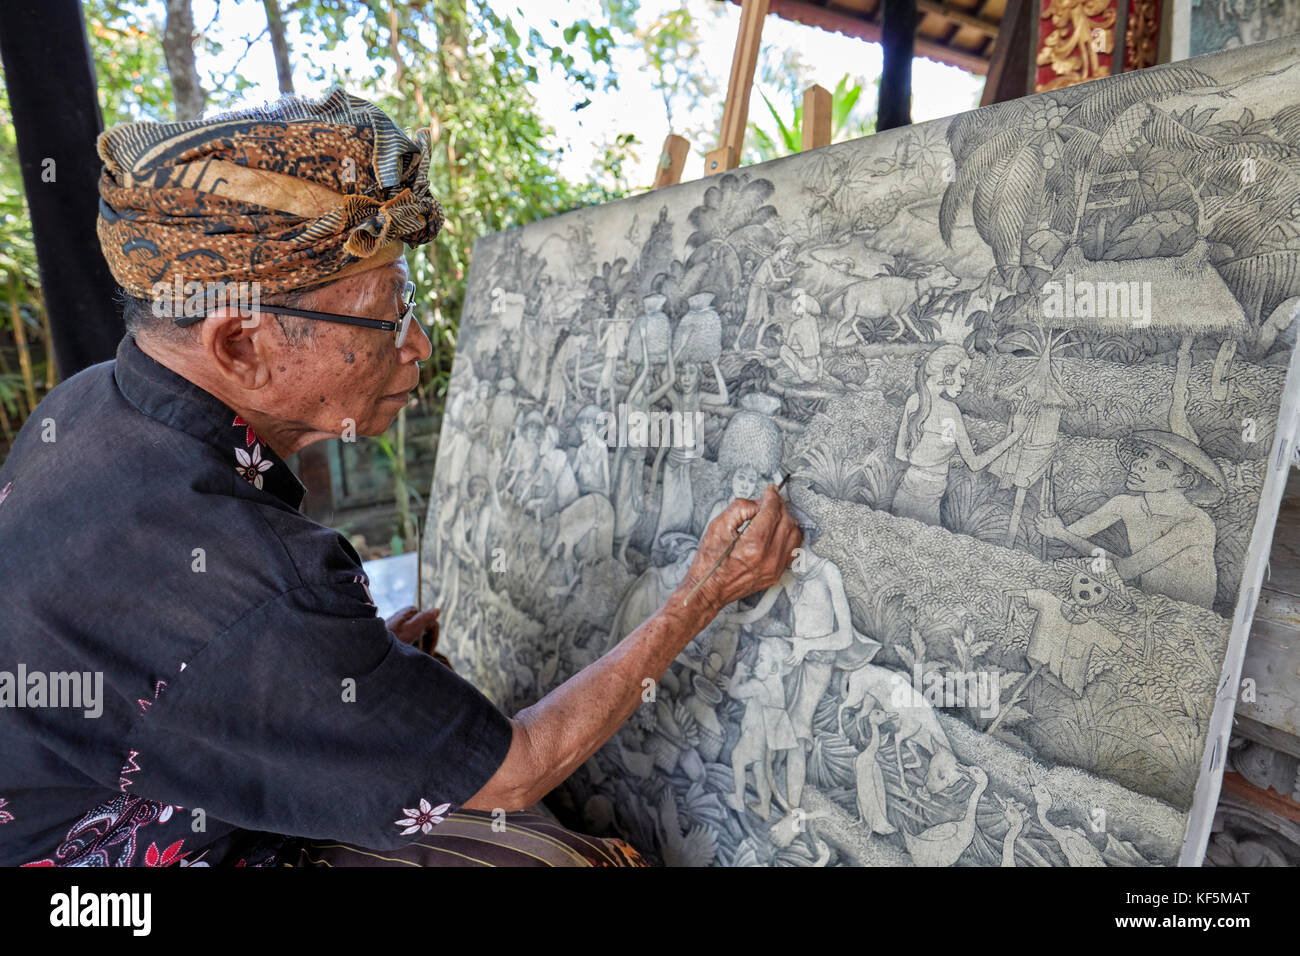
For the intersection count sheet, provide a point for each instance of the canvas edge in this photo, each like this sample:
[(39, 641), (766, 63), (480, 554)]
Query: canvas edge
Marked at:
[(1180, 31), (1205, 797)]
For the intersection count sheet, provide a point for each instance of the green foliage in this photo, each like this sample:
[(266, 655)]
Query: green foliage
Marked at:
[(788, 136)]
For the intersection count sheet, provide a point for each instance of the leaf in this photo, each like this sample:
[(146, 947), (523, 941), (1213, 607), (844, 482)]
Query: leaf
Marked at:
[(1004, 200), (1110, 97), (971, 172), (512, 35), (1014, 714), (1007, 679)]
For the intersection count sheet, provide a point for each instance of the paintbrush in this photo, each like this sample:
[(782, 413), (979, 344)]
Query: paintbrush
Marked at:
[(730, 547)]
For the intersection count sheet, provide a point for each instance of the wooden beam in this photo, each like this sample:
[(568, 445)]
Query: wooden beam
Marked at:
[(839, 21), (1270, 800), (897, 39), (1009, 69), (672, 160), (958, 16), (816, 117), (735, 114)]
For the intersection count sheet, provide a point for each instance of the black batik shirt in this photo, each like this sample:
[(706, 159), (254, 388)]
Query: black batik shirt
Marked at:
[(250, 694)]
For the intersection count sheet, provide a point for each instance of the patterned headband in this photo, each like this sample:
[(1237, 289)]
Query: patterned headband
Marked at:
[(288, 195)]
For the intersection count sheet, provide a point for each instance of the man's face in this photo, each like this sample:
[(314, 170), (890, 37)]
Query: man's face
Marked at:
[(1153, 469), (744, 483), (343, 372)]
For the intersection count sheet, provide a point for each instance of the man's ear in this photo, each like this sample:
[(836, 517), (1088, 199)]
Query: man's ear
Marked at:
[(239, 346)]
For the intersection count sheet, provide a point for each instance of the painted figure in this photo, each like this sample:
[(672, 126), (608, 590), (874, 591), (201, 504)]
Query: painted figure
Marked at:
[(591, 461), (553, 486), (801, 346), (823, 638), (613, 341), (933, 432), (766, 727), (1065, 633), (772, 275), (629, 463), (1172, 539), (677, 502)]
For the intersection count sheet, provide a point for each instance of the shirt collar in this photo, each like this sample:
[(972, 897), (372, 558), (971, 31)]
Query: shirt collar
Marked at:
[(175, 401)]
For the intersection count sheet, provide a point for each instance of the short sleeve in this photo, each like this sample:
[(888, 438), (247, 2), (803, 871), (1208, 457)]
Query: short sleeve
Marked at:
[(309, 718)]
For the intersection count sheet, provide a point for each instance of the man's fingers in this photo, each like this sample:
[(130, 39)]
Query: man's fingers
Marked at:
[(768, 518), (737, 513), (400, 617)]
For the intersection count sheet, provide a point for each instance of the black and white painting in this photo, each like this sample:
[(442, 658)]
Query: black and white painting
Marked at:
[(1215, 25), (1029, 370)]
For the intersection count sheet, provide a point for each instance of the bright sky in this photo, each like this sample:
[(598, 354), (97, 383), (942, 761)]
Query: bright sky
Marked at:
[(636, 107)]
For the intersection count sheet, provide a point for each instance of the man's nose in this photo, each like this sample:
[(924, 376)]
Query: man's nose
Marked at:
[(417, 342)]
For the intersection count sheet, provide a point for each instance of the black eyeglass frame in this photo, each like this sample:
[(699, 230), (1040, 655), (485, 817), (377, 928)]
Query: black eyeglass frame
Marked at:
[(401, 326)]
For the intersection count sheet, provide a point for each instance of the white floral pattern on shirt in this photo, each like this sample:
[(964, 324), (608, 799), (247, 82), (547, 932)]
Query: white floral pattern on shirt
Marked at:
[(251, 466), (424, 819)]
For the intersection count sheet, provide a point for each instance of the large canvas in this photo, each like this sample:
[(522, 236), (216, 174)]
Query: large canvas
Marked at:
[(1226, 24), (1031, 370)]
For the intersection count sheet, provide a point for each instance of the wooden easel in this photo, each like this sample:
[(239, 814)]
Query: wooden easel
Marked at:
[(735, 111)]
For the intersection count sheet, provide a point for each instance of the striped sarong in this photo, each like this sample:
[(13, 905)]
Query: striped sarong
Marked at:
[(476, 838)]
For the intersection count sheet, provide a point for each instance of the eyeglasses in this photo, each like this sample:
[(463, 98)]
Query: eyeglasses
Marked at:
[(401, 326)]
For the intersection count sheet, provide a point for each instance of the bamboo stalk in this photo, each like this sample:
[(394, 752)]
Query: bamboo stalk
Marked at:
[(51, 373), (19, 399), (20, 339), (4, 424), (399, 477)]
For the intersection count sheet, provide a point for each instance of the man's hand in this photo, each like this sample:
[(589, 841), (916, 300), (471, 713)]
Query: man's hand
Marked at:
[(1049, 526), (410, 625), (765, 550), (553, 737)]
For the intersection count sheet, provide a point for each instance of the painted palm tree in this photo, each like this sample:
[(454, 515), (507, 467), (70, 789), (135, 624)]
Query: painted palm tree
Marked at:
[(1029, 164), (730, 224)]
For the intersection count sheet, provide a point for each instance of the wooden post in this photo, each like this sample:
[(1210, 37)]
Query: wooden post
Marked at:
[(719, 160), (735, 114), (897, 39), (816, 117), (672, 161), (49, 73), (1009, 63)]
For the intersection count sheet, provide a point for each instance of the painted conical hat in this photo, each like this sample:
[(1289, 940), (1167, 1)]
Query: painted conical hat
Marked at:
[(1184, 449)]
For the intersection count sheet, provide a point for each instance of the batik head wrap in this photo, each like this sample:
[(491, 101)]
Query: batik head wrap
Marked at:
[(289, 195)]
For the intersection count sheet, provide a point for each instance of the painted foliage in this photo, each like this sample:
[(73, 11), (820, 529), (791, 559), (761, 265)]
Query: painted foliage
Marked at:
[(1027, 367)]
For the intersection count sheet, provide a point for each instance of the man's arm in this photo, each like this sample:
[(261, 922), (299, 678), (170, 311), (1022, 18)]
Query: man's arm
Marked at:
[(759, 610), (556, 735), (1181, 537)]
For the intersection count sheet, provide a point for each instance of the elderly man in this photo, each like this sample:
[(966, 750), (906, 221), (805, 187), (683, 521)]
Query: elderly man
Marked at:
[(251, 707)]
